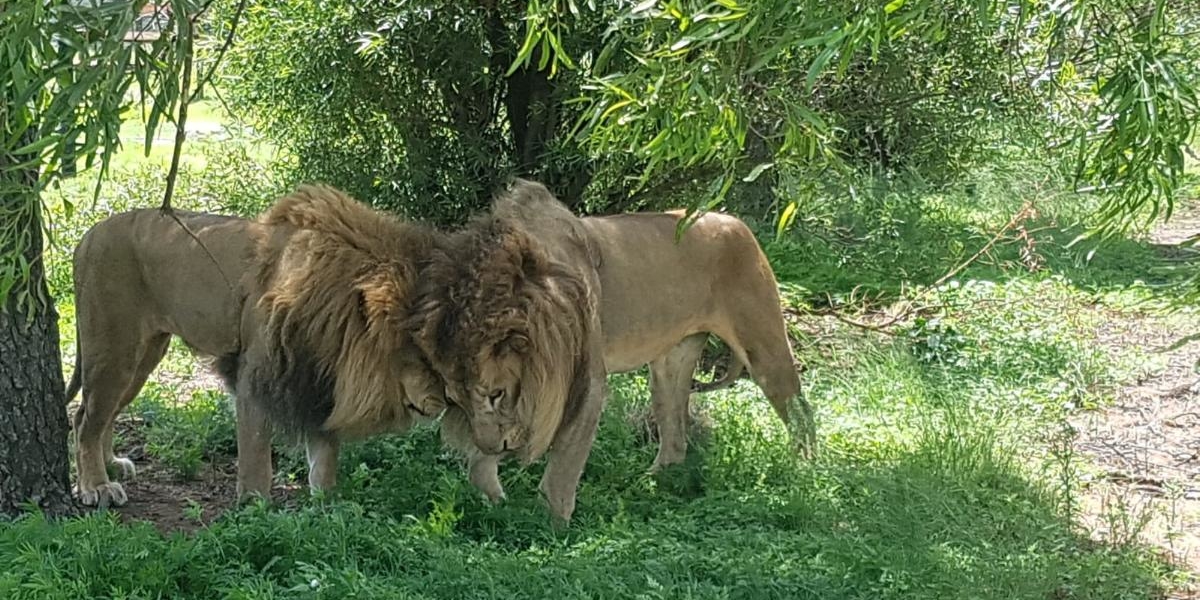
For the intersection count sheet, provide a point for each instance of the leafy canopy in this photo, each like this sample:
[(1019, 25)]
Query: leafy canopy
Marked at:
[(70, 66), (427, 106)]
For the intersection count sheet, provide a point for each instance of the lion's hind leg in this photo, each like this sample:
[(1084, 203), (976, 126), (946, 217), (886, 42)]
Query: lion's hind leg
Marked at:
[(155, 350), (768, 357), (113, 375), (670, 392), (91, 430)]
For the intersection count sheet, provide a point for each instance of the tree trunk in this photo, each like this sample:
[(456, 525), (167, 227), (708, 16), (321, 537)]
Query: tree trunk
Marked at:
[(33, 417)]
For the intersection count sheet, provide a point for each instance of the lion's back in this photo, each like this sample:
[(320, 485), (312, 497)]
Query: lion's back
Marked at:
[(656, 290), (141, 268)]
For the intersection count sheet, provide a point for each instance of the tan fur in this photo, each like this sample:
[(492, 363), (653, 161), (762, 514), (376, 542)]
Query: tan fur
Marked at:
[(307, 281), (661, 297), (658, 301)]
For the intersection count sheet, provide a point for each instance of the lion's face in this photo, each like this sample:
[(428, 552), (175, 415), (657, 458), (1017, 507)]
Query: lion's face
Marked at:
[(504, 323), (488, 391), (425, 394)]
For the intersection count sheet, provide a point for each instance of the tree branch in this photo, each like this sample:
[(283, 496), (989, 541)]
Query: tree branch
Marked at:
[(181, 122), (237, 18)]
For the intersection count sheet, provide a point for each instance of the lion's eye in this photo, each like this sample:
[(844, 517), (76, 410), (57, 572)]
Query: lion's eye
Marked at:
[(495, 397)]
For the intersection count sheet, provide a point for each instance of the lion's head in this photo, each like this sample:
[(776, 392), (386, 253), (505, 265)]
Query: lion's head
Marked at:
[(336, 281), (504, 325)]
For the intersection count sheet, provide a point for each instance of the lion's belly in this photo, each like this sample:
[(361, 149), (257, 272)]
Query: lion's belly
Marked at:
[(628, 348)]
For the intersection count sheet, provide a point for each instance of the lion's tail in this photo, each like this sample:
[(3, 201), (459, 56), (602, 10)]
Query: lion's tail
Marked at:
[(76, 377), (734, 371)]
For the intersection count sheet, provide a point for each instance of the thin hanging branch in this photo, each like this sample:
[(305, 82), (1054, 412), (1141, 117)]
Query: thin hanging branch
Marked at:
[(181, 122), (233, 25), (189, 94), (186, 97)]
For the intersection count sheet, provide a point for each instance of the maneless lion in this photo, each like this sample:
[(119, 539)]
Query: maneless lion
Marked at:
[(301, 309), (504, 307)]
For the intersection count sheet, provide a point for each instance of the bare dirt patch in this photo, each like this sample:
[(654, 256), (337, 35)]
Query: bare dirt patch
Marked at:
[(172, 504), (1145, 446), (157, 495)]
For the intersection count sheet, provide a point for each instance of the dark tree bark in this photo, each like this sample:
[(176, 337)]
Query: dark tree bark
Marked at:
[(758, 196), (532, 114), (531, 104), (33, 416)]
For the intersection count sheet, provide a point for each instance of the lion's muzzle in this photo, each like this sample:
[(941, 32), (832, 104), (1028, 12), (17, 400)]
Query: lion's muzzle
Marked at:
[(488, 438)]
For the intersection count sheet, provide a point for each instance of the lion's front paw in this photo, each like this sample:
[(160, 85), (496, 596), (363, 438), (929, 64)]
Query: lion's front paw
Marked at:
[(122, 468), (104, 495), (484, 474), (804, 434), (489, 486), (561, 502), (805, 443)]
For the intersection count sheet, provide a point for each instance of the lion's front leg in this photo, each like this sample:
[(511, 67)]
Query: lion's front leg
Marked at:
[(322, 450), (254, 449), (804, 431), (484, 474), (572, 445)]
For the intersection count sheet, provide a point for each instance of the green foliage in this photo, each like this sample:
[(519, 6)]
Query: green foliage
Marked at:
[(183, 435), (403, 104), (887, 236), (1031, 336), (928, 85), (624, 105), (57, 113)]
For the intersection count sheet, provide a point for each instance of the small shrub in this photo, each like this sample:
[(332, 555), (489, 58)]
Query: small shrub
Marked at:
[(184, 435)]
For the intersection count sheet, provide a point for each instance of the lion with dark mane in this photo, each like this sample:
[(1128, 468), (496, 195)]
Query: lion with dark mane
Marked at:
[(530, 289), (302, 309), (513, 327)]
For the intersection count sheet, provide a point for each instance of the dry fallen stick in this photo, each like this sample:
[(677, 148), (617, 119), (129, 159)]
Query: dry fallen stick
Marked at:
[(1025, 213)]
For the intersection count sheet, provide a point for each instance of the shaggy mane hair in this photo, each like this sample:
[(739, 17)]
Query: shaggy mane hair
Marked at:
[(336, 278), (492, 290)]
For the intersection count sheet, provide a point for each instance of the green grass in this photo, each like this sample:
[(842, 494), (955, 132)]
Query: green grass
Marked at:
[(185, 435), (941, 473), (919, 495), (893, 235)]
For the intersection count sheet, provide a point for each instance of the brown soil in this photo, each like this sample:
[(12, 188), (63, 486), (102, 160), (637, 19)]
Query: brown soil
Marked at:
[(157, 494), (1145, 446), (174, 505)]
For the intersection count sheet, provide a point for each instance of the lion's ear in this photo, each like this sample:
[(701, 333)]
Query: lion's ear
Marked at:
[(381, 298), (534, 263)]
